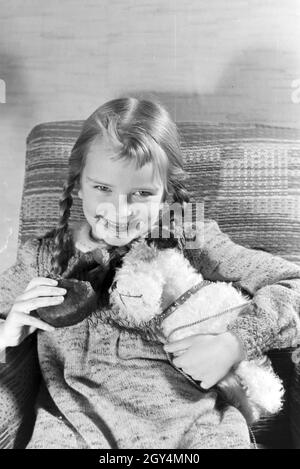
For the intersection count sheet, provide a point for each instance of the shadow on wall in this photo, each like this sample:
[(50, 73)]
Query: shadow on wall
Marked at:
[(15, 116), (256, 87)]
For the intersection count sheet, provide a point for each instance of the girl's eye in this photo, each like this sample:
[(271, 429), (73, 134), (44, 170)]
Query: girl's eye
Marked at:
[(102, 188), (106, 189), (143, 193)]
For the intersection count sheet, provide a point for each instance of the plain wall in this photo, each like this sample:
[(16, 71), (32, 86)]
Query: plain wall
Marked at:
[(207, 60)]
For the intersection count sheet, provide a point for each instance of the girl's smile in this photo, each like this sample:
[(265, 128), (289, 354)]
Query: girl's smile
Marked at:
[(119, 230)]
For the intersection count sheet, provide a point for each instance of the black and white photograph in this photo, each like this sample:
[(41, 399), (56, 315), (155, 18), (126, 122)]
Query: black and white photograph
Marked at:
[(150, 227)]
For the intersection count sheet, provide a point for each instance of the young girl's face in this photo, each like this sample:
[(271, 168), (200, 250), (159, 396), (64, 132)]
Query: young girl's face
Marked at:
[(119, 201)]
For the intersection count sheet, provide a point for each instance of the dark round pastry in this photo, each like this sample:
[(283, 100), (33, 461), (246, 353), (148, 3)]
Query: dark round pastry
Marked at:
[(80, 301)]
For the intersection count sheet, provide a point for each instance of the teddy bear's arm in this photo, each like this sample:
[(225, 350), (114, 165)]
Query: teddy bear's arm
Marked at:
[(273, 282)]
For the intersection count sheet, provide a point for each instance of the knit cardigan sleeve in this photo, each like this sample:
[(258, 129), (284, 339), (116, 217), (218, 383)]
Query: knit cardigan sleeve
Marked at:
[(273, 283), (15, 279)]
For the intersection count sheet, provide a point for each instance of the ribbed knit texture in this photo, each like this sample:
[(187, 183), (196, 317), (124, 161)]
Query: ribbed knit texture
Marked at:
[(112, 388)]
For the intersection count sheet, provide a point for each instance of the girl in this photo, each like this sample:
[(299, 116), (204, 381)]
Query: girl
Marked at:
[(109, 386)]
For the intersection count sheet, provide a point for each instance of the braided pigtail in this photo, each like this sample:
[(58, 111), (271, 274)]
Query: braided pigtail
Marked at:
[(61, 252)]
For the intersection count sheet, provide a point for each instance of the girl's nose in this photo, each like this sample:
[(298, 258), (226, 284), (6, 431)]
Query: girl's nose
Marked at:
[(117, 210), (123, 208)]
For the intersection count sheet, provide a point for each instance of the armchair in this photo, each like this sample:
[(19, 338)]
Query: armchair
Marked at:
[(248, 178)]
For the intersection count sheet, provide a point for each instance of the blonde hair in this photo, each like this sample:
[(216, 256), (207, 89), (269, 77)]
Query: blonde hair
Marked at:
[(143, 132)]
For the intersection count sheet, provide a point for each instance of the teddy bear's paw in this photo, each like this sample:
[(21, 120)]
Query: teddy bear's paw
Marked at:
[(234, 392), (262, 386)]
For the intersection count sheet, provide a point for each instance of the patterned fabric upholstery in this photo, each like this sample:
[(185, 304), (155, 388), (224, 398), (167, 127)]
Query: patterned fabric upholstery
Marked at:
[(247, 177)]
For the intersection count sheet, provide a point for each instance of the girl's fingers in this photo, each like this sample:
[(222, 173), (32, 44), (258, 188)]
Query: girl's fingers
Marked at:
[(26, 320), (179, 345), (179, 352), (31, 329), (29, 305), (206, 384), (41, 281), (41, 290), (186, 343)]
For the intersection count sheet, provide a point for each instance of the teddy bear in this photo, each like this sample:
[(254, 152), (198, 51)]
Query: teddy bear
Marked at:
[(160, 291)]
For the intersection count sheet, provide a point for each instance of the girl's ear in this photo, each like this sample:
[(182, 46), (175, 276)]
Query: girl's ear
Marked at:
[(80, 194)]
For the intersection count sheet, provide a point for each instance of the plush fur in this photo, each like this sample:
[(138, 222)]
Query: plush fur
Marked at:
[(151, 279)]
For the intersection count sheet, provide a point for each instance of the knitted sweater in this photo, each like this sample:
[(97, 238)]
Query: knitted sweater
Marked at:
[(91, 369)]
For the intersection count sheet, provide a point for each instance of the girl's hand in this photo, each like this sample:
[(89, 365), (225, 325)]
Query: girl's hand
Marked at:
[(19, 324), (206, 358)]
